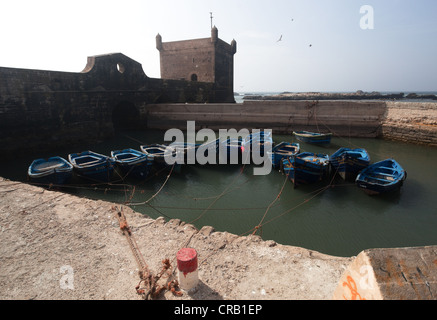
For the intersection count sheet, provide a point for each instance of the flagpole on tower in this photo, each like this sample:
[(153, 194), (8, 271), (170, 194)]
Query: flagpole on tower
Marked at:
[(210, 15)]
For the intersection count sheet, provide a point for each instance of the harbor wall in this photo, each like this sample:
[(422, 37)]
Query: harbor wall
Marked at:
[(45, 110), (53, 109), (414, 122), (344, 118)]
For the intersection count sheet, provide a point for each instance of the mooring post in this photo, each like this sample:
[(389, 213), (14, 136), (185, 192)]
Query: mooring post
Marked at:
[(187, 268)]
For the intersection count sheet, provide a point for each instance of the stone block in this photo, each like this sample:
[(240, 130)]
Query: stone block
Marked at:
[(391, 274)]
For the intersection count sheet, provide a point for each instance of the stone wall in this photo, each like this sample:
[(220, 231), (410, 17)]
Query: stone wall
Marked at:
[(390, 274), (414, 122), (46, 109), (208, 60), (343, 118)]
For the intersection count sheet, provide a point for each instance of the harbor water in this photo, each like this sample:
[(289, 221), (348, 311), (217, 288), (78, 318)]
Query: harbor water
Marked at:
[(333, 217)]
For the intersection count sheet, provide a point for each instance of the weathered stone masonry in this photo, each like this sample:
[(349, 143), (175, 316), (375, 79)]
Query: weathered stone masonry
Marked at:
[(414, 122), (45, 109), (41, 110), (206, 60)]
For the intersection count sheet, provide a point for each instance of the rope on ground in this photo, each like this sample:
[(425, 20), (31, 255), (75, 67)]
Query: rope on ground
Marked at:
[(147, 287)]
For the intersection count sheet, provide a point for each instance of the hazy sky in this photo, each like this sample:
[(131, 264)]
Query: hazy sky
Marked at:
[(347, 53)]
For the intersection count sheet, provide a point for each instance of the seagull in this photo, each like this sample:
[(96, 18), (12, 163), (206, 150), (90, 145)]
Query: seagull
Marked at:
[(280, 38)]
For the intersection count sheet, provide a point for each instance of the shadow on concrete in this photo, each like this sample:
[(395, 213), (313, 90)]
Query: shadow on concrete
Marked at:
[(204, 292)]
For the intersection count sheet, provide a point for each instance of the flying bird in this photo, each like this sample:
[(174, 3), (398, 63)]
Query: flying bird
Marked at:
[(311, 45), (280, 38)]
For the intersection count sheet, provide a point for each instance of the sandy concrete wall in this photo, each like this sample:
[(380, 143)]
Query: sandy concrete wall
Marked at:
[(407, 121), (344, 118), (411, 122)]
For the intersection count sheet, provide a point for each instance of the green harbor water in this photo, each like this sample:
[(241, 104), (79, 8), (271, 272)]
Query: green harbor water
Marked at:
[(340, 220)]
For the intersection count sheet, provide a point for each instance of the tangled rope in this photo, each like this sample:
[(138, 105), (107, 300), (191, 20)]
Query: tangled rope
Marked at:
[(148, 285)]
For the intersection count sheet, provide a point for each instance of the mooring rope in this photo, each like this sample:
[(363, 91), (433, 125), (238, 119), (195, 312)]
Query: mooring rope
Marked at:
[(349, 142), (317, 192), (271, 204), (224, 192), (160, 189)]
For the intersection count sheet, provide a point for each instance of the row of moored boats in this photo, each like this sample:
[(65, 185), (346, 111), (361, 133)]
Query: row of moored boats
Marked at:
[(130, 162), (350, 163), (300, 167)]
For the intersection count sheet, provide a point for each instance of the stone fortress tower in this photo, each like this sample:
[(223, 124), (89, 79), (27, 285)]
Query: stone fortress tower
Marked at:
[(203, 60)]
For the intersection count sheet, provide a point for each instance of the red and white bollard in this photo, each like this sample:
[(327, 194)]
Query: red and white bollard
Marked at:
[(188, 276)]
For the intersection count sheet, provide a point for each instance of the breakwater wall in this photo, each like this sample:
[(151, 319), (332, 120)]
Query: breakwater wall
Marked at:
[(61, 122), (345, 118), (43, 110), (414, 122)]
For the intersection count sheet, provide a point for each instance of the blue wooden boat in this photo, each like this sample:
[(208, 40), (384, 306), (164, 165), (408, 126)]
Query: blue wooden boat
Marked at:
[(283, 150), (349, 162), (306, 167), (54, 170), (163, 156), (92, 165), (313, 137), (158, 153), (380, 177), (132, 163)]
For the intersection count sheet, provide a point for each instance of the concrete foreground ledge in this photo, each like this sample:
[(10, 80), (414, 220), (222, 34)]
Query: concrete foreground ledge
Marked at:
[(391, 274), (59, 246)]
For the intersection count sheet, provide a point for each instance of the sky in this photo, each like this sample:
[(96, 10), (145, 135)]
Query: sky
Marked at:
[(326, 45)]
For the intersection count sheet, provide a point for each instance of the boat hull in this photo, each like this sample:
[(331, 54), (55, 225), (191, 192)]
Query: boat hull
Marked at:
[(132, 163), (157, 153), (281, 151), (54, 170), (313, 138), (163, 156), (306, 168), (347, 163), (92, 165), (381, 177)]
